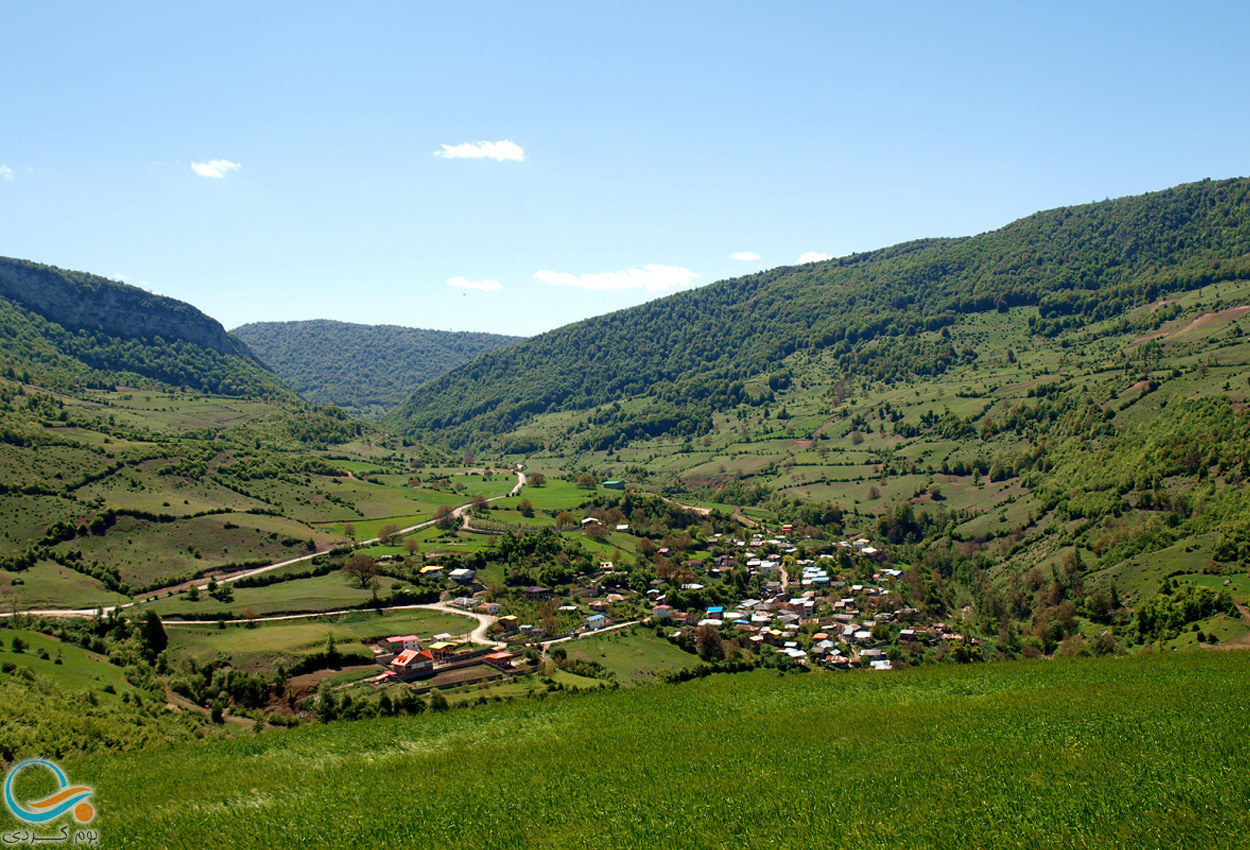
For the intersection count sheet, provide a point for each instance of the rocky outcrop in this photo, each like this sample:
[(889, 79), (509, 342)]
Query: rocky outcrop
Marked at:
[(80, 301)]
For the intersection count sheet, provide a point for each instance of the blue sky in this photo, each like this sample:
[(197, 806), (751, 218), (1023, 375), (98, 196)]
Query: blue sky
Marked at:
[(270, 162)]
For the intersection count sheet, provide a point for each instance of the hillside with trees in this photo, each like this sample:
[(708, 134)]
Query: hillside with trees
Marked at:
[(878, 315), (364, 369), (69, 329)]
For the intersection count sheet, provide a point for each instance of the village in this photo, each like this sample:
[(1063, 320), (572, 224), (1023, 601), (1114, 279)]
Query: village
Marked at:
[(837, 609)]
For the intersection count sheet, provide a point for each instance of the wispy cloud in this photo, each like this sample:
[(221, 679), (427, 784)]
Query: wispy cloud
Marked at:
[(215, 168), (744, 255), (480, 285), (814, 257), (498, 151), (651, 277), (6, 172)]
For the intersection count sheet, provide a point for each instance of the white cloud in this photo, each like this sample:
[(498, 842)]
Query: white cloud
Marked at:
[(6, 172), (652, 277), (814, 257), (215, 168), (480, 285), (744, 255), (498, 151)]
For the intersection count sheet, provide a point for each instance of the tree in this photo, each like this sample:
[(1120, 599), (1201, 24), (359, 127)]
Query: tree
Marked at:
[(526, 507), (565, 520), (362, 568), (388, 533), (445, 518), (479, 503), (708, 642), (596, 531), (536, 479), (152, 631), (586, 481), (349, 530), (438, 702), (411, 546)]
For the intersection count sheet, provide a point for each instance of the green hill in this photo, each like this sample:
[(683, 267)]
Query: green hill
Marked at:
[(1095, 753), (142, 446), (71, 329), (877, 315), (1034, 423), (364, 369)]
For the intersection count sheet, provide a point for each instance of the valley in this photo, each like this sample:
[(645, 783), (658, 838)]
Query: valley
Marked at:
[(978, 477)]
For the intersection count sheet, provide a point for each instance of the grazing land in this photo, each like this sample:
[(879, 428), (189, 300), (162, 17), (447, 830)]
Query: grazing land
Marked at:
[(1103, 753)]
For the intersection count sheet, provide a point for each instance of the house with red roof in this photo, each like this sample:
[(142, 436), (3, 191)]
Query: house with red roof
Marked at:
[(412, 663)]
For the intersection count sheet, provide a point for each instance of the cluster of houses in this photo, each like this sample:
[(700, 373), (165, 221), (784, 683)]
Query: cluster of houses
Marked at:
[(405, 659), (838, 619)]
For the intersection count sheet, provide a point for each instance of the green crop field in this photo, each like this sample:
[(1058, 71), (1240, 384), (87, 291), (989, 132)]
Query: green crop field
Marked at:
[(1114, 753)]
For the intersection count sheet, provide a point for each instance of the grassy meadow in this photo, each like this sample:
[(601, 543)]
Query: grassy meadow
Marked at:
[(266, 645), (1139, 752)]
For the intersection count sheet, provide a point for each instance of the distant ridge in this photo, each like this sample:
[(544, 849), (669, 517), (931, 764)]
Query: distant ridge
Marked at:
[(365, 369), (73, 329), (81, 301)]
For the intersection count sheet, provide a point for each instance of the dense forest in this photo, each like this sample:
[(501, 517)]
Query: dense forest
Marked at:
[(365, 369), (687, 352)]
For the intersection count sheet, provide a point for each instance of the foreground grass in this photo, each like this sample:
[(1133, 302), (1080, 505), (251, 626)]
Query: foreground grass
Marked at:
[(1139, 752)]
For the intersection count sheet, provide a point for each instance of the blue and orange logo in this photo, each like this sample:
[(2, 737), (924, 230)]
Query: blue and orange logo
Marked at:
[(70, 798)]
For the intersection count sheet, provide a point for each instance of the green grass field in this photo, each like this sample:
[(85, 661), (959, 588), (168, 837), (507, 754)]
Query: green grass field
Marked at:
[(49, 585), (1113, 753), (635, 659), (329, 592), (281, 642), (79, 669)]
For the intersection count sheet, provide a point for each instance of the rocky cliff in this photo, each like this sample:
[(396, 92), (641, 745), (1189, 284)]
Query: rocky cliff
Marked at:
[(81, 301)]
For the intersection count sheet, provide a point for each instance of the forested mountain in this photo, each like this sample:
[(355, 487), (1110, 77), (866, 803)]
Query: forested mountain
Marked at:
[(70, 329), (365, 369), (875, 313)]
